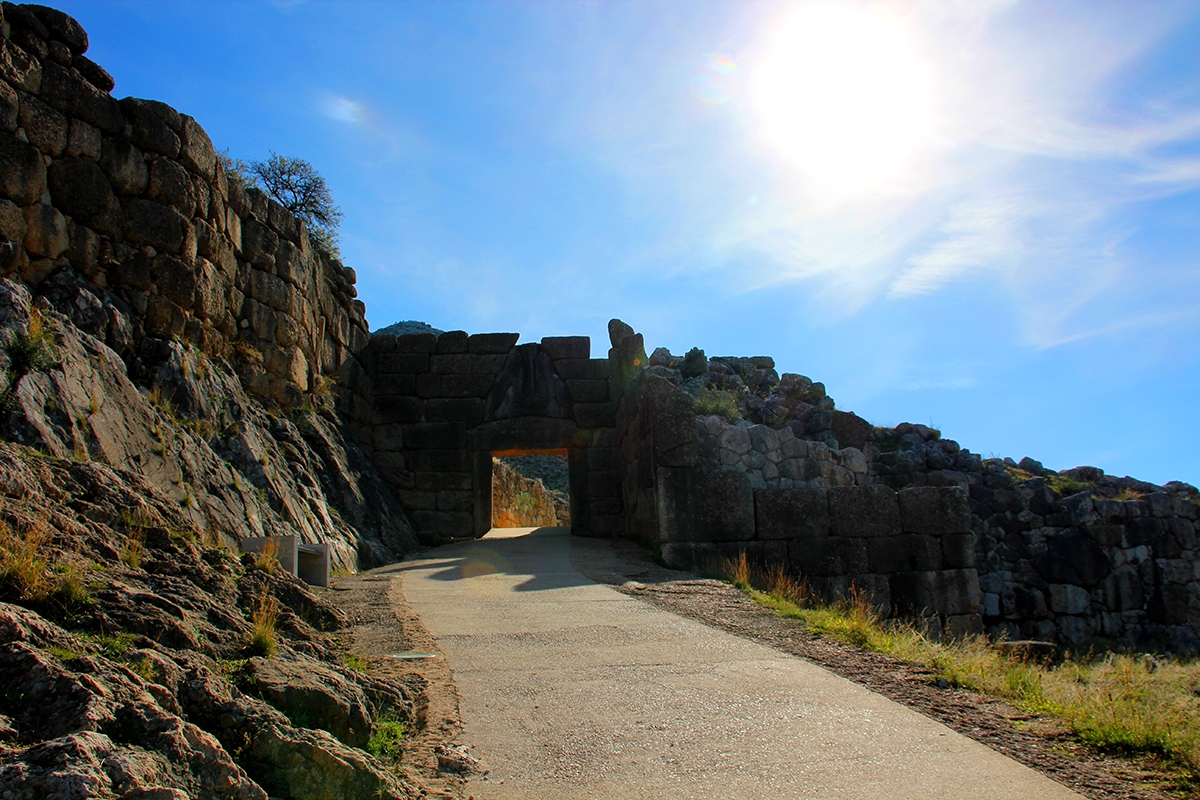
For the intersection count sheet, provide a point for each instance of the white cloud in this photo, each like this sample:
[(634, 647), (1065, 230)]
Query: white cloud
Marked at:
[(342, 109)]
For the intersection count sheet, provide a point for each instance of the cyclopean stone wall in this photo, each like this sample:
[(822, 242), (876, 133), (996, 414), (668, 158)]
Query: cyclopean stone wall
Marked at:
[(435, 408), (703, 490), (132, 198), (921, 524)]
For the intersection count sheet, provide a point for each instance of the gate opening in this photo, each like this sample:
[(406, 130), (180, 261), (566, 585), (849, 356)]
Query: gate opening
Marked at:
[(530, 489)]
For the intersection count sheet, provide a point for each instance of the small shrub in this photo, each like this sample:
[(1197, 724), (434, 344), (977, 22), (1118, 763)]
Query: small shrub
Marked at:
[(386, 740), (145, 669), (1066, 486), (32, 350), (722, 403), (264, 617), (114, 645), (236, 671), (183, 534), (64, 653), (69, 586)]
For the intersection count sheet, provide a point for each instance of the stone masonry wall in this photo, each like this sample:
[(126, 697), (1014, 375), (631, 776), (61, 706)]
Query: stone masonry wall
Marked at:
[(690, 491), (1082, 568), (133, 197), (435, 408), (917, 521)]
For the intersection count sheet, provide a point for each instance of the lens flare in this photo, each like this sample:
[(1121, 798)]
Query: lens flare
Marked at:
[(716, 79)]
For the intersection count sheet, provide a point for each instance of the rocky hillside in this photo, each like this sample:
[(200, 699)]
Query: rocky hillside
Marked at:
[(143, 659)]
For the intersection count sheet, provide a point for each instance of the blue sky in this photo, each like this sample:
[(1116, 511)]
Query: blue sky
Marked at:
[(979, 214)]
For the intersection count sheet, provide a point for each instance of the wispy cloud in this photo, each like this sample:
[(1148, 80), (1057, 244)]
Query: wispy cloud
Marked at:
[(1030, 178), (342, 109)]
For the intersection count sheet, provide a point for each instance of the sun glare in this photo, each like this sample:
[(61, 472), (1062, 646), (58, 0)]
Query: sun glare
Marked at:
[(842, 94)]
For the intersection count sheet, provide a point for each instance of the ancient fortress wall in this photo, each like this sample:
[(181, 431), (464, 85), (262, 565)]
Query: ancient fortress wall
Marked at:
[(132, 195), (920, 524), (438, 407)]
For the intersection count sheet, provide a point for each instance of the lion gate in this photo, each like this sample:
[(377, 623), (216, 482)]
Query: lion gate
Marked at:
[(435, 408)]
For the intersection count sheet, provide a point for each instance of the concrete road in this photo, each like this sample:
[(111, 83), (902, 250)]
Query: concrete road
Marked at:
[(570, 689)]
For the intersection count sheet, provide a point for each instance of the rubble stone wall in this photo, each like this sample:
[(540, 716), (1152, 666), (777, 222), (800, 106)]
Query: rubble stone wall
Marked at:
[(1079, 568)]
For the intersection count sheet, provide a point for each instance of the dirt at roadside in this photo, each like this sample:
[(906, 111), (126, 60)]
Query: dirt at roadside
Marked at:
[(1038, 742), (383, 626)]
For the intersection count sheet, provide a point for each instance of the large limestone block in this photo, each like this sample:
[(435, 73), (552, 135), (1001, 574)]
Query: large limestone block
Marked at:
[(46, 231), (171, 184), (914, 594), (864, 511), (9, 106), (66, 90), (124, 166), (22, 171), (560, 347), (904, 553), (160, 226), (828, 556), (196, 149), (935, 510), (673, 425), (704, 505), (147, 129), (1072, 557), (79, 187), (791, 513), (19, 68), (957, 591), (45, 128)]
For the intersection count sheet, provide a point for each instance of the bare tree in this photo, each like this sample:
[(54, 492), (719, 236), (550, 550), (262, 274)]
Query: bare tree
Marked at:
[(300, 189)]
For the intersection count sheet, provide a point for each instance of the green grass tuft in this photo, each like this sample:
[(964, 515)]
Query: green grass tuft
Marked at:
[(722, 403), (387, 739), (355, 662)]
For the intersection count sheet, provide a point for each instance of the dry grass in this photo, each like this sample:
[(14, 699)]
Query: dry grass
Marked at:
[(267, 559), (23, 563), (264, 619), (133, 551), (1127, 702)]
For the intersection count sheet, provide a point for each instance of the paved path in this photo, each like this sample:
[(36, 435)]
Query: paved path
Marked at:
[(570, 689)]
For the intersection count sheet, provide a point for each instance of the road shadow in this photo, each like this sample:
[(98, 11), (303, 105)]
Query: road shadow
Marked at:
[(539, 554)]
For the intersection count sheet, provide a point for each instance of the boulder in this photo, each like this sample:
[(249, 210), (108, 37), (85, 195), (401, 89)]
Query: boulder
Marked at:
[(313, 695), (22, 171)]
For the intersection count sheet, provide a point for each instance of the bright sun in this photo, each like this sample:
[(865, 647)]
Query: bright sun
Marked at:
[(843, 95)]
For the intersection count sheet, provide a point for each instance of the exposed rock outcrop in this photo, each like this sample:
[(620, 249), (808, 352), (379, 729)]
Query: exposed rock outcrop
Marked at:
[(128, 654)]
